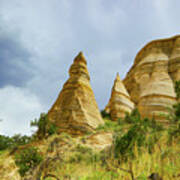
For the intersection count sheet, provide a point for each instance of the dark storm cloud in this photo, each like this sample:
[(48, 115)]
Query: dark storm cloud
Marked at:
[(14, 62)]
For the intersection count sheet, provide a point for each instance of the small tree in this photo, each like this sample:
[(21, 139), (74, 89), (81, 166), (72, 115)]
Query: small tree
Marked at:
[(45, 127)]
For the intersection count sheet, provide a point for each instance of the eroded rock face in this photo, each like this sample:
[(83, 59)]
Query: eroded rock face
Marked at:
[(150, 82), (75, 110), (158, 95), (119, 102)]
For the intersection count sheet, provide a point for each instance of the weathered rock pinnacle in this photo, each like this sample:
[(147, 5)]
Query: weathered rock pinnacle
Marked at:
[(119, 103), (75, 110)]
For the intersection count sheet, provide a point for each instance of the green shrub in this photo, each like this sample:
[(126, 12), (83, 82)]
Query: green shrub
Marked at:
[(84, 154), (110, 126), (45, 127), (26, 159), (81, 153), (5, 142), (21, 140), (143, 133), (14, 141), (177, 88), (83, 149), (134, 117), (174, 130), (104, 114)]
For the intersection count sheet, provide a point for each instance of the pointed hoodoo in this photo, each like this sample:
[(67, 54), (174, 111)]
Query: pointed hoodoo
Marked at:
[(119, 103), (75, 110)]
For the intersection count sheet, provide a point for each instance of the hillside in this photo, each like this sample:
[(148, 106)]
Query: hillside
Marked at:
[(93, 156)]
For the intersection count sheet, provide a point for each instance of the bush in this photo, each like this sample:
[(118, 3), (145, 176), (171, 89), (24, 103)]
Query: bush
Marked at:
[(134, 117), (5, 142), (104, 114), (174, 130), (143, 133), (81, 153), (11, 142), (45, 127), (110, 126), (20, 140), (177, 88), (26, 159)]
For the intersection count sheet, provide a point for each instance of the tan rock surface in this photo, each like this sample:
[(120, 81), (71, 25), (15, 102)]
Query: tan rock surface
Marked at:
[(150, 82), (119, 102), (75, 110), (100, 140), (8, 168), (158, 95)]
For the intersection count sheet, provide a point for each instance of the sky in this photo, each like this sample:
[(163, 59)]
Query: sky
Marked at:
[(40, 38)]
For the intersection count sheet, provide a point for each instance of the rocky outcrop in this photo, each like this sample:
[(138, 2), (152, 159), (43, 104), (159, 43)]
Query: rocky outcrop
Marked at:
[(158, 95), (75, 110), (150, 82), (99, 141), (119, 103)]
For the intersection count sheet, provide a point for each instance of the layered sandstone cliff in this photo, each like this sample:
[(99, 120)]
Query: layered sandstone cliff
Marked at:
[(75, 110), (119, 103), (150, 82)]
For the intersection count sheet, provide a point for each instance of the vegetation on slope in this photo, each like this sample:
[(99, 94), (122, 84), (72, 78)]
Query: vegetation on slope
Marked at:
[(140, 147)]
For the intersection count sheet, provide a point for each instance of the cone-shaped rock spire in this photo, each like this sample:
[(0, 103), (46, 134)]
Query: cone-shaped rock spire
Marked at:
[(119, 102), (75, 110)]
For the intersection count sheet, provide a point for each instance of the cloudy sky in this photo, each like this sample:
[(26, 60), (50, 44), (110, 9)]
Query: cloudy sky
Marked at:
[(40, 38)]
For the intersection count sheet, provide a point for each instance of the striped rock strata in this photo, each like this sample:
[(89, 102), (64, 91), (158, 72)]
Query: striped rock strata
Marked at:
[(75, 110), (150, 80), (119, 103)]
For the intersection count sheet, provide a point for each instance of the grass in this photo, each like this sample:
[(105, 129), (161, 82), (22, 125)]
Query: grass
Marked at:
[(79, 162), (166, 162)]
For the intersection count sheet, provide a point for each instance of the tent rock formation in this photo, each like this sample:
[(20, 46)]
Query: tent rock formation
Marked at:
[(75, 110), (150, 80), (119, 103)]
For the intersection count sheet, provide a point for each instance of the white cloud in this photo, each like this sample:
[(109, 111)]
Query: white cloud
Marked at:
[(18, 107)]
